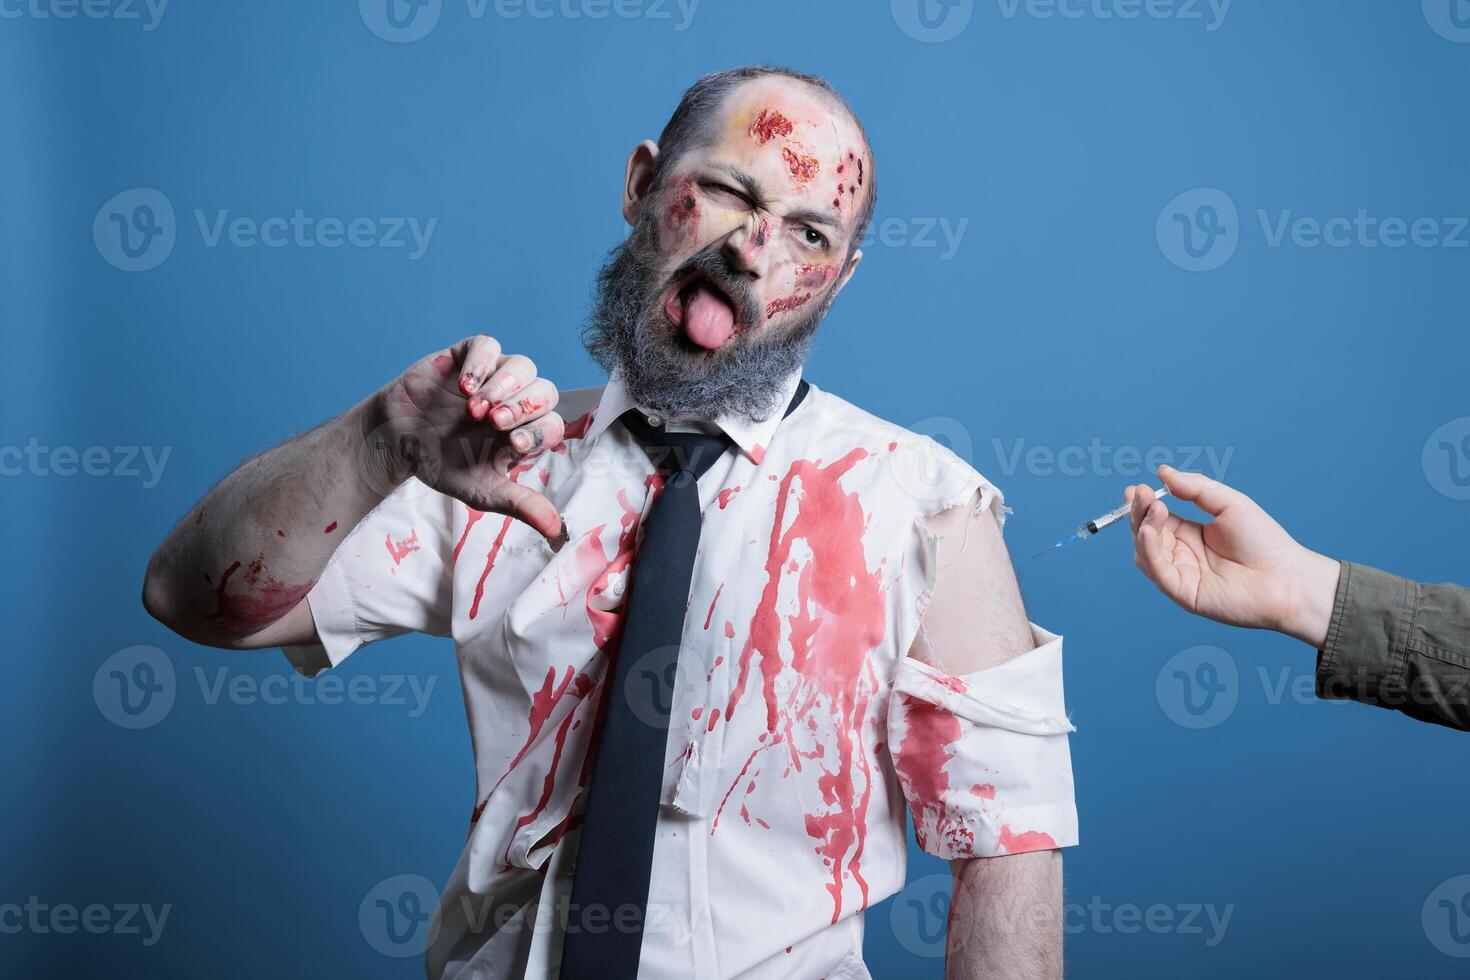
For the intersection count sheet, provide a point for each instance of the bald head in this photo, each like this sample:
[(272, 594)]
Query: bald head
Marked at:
[(696, 121)]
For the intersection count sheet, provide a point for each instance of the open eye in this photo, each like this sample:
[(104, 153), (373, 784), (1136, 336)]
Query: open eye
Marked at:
[(814, 239)]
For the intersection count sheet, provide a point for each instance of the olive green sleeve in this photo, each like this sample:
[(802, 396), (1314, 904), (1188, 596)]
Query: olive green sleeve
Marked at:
[(1398, 644)]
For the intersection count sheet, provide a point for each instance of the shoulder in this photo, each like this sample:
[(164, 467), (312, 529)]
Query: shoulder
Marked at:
[(933, 475)]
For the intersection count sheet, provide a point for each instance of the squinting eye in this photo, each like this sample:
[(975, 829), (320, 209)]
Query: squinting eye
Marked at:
[(729, 192)]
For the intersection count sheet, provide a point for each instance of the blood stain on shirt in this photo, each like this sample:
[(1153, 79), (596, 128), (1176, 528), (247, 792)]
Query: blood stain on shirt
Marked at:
[(1031, 840), (710, 614), (403, 548)]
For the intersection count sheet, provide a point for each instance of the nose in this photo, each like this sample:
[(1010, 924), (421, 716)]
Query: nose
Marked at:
[(748, 246)]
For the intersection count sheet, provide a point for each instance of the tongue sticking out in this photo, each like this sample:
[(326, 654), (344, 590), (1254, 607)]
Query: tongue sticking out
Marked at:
[(708, 319)]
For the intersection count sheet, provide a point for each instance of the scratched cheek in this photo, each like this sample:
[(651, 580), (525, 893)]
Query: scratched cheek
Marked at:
[(681, 209)]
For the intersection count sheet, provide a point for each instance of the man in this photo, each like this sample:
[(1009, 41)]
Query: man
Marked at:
[(708, 549), (1380, 639)]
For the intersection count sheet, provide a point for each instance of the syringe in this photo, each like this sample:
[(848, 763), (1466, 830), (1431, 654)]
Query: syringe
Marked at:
[(1095, 525)]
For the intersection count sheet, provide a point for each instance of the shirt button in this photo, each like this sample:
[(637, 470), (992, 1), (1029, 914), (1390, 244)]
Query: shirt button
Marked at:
[(655, 421)]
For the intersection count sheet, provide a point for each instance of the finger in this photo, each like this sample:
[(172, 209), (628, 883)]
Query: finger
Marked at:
[(531, 402), (540, 432), (480, 358), (1143, 496), (1210, 495), (525, 504), (514, 372), (1158, 514), (507, 381), (1148, 555)]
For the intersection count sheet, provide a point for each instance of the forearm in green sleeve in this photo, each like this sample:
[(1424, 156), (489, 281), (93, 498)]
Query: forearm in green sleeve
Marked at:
[(1398, 644)]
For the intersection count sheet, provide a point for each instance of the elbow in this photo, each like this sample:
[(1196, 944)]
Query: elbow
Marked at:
[(158, 597)]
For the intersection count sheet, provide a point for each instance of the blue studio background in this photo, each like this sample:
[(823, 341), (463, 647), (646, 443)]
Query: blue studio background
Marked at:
[(1090, 252)]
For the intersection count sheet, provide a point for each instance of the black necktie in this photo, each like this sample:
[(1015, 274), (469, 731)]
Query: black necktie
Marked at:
[(614, 860)]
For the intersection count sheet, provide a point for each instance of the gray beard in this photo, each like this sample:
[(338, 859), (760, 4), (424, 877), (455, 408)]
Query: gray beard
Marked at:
[(662, 369)]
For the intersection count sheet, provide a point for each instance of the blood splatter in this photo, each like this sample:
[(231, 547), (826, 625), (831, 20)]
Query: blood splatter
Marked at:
[(403, 548), (729, 629), (246, 613), (712, 602), (725, 495), (330, 528), (985, 791), (837, 619), (1031, 840)]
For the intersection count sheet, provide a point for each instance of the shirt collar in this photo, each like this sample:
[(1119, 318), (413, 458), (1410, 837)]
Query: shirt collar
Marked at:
[(751, 438)]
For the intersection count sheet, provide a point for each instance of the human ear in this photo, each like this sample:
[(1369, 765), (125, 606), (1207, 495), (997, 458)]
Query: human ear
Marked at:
[(642, 165), (852, 265)]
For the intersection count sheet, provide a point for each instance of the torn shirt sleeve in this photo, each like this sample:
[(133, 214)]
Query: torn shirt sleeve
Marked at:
[(983, 758), (393, 574)]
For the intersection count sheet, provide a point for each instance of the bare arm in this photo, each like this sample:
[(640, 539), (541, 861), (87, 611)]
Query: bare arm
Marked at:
[(1005, 917), (1006, 912), (234, 571)]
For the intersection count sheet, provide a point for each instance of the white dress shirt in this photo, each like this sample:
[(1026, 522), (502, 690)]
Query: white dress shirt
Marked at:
[(799, 726)]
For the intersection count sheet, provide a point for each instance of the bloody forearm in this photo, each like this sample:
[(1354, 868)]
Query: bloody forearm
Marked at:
[(251, 549)]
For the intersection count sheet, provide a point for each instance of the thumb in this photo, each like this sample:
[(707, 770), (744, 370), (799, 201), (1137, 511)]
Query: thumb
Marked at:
[(535, 509), (1210, 495)]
